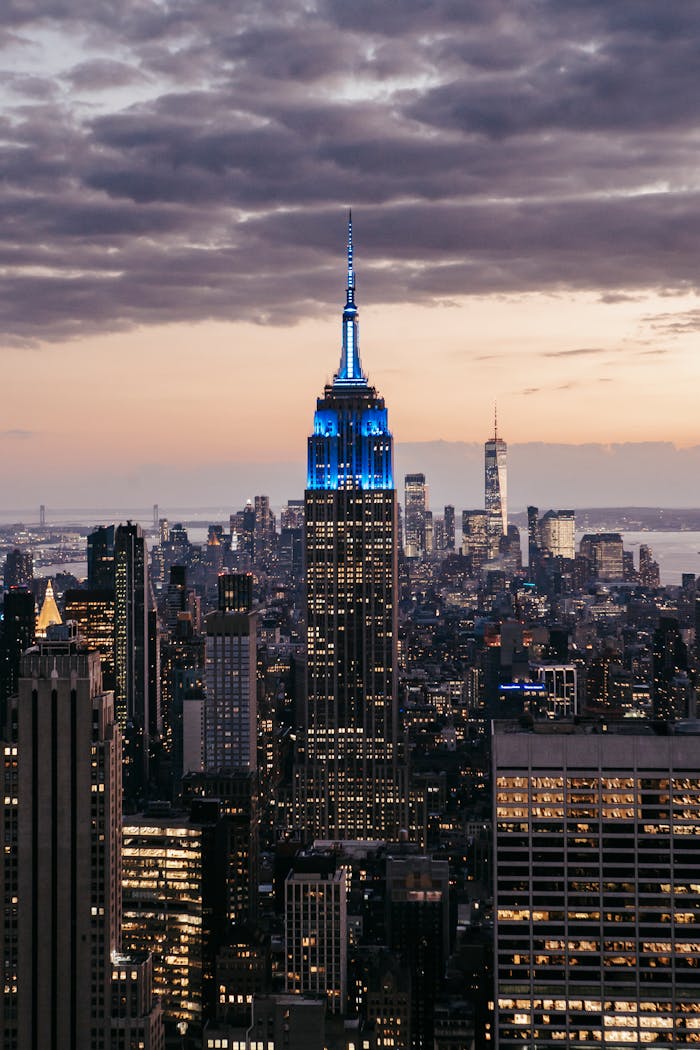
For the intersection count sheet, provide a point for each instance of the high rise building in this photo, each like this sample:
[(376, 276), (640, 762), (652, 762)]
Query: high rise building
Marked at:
[(496, 489), (596, 899), (16, 634), (131, 653), (449, 527), (649, 575), (100, 558), (415, 504), (417, 892), (605, 552), (533, 538), (61, 863), (170, 865), (670, 686), (315, 933), (264, 533), (236, 793), (93, 611), (230, 706), (19, 569), (475, 536), (557, 528), (349, 784)]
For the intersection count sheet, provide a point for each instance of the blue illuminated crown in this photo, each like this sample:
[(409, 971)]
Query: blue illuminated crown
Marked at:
[(351, 446)]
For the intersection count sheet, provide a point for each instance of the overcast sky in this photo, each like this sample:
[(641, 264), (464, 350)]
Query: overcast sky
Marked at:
[(174, 179)]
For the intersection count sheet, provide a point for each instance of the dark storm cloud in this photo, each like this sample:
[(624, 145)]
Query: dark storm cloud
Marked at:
[(195, 163)]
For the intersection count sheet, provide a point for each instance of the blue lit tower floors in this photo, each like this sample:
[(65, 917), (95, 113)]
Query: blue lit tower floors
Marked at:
[(349, 780)]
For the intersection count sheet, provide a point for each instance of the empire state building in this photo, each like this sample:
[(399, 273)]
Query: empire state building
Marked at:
[(348, 782)]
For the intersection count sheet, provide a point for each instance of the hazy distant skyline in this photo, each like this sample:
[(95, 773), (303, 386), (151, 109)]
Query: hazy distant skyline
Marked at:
[(556, 476), (524, 184)]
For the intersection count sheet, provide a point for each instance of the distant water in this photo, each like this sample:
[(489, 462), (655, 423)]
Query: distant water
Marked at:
[(90, 516), (676, 552)]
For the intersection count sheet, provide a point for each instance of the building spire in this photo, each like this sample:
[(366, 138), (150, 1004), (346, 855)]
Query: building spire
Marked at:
[(495, 420), (351, 272), (350, 370)]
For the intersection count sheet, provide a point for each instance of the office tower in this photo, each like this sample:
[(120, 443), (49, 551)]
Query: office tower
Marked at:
[(533, 537), (42, 515), (475, 537), (182, 697), (16, 635), (496, 488), (670, 686), (49, 616), (235, 591), (93, 612), (291, 551), (230, 707), (156, 516), (449, 527), (418, 931), (236, 793), (292, 517), (349, 786), (649, 575), (439, 541), (100, 558), (604, 551), (131, 654), (415, 503), (429, 545), (556, 533), (176, 597), (264, 534), (315, 935), (61, 861), (596, 899), (19, 569), (171, 907)]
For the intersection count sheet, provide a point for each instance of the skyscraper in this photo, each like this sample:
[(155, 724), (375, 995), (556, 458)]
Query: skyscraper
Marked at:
[(230, 707), (415, 503), (19, 569), (100, 558), (596, 885), (60, 879), (348, 786), (315, 930), (496, 488), (131, 697)]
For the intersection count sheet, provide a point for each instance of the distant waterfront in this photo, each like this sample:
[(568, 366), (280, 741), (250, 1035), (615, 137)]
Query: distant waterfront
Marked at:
[(676, 552)]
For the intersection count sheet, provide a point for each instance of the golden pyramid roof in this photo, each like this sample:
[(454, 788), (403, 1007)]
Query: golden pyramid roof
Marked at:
[(49, 613)]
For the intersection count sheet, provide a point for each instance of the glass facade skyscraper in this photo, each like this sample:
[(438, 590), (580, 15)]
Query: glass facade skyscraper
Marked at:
[(347, 782), (496, 489)]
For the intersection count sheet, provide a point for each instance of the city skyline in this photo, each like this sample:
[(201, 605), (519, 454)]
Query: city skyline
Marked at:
[(175, 190)]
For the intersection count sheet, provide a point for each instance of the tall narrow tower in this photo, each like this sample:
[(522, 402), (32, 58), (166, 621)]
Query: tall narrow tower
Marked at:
[(496, 488), (347, 782)]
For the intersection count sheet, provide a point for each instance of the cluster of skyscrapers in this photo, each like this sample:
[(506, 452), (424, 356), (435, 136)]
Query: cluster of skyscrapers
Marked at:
[(355, 783)]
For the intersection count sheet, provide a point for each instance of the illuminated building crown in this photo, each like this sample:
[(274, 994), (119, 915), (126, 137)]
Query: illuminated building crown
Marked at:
[(351, 446)]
